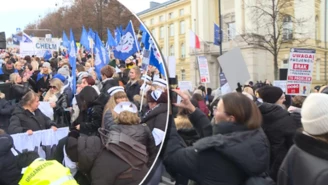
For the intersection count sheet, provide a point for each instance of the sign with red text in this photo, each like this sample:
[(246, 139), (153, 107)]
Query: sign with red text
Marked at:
[(203, 69), (300, 69)]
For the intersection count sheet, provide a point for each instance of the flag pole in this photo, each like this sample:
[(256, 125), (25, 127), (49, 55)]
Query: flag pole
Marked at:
[(220, 22)]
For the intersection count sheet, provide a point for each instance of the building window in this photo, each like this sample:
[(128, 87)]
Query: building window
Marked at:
[(182, 27), (152, 21), (161, 19), (287, 28), (317, 28), (317, 69), (181, 12), (231, 30), (161, 32), (171, 15), (153, 33), (183, 74), (171, 30), (285, 61), (183, 50), (171, 50)]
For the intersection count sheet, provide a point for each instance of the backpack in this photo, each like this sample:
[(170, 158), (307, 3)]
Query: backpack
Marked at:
[(126, 148)]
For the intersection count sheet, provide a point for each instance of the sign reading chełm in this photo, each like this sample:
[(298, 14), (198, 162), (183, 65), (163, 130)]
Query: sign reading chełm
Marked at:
[(300, 69), (39, 46)]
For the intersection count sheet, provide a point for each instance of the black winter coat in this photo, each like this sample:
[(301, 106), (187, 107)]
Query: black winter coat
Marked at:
[(91, 118), (156, 118), (218, 159), (18, 91), (61, 117), (6, 73), (306, 162), (132, 89), (6, 108), (108, 84), (142, 134), (10, 174), (280, 128), (23, 120)]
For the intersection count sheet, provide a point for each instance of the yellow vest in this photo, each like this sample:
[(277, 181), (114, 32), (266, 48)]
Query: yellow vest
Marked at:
[(42, 172)]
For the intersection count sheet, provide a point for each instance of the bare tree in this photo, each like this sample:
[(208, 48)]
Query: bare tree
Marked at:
[(273, 24)]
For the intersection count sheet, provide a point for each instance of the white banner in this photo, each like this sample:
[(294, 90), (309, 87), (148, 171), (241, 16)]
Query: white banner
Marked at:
[(42, 141), (184, 86), (280, 83), (203, 69), (299, 78), (39, 46)]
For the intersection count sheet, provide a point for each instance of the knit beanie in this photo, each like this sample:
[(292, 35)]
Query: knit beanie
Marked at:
[(64, 71), (315, 114), (270, 94)]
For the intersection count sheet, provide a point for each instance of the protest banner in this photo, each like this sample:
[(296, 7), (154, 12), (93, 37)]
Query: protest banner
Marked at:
[(39, 46), (184, 86), (281, 84), (299, 76), (203, 69)]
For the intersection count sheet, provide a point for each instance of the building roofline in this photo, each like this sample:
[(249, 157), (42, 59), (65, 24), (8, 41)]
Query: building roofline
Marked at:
[(157, 7)]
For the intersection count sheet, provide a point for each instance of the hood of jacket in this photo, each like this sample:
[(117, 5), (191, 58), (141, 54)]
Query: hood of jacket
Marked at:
[(183, 122), (248, 149), (7, 143), (272, 112)]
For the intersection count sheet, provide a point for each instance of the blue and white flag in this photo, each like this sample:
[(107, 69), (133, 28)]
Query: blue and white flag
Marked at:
[(156, 60), (16, 39), (91, 38), (47, 55), (101, 56), (118, 35), (72, 49), (26, 38), (65, 40), (128, 44)]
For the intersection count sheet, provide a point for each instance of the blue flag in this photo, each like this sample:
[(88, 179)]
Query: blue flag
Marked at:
[(118, 35), (217, 35), (65, 40), (47, 55), (16, 39), (26, 38), (128, 44), (84, 41), (155, 59), (110, 40), (101, 56), (72, 49)]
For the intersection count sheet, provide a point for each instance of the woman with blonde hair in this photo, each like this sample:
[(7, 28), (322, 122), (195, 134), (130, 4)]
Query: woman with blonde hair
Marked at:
[(132, 88), (58, 101), (117, 95), (19, 87)]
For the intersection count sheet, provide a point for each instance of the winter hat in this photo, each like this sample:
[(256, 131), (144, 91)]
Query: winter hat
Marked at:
[(270, 94), (64, 71), (125, 106), (160, 82), (60, 77), (111, 91), (157, 96), (315, 114), (198, 91)]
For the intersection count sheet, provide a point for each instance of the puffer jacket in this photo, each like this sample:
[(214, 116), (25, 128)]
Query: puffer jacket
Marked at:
[(280, 127), (61, 117), (157, 117), (142, 134), (96, 161), (10, 174), (19, 90), (220, 158), (23, 120), (306, 162)]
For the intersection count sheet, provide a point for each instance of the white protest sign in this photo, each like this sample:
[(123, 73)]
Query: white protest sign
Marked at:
[(234, 68), (299, 76), (172, 66), (203, 69), (39, 46), (184, 86), (46, 109), (280, 83)]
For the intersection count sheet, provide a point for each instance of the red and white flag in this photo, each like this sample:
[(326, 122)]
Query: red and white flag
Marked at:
[(194, 40)]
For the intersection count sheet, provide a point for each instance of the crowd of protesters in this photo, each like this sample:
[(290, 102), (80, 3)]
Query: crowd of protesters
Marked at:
[(123, 104)]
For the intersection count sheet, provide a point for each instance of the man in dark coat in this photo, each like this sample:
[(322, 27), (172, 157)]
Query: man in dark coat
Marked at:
[(10, 174), (6, 70)]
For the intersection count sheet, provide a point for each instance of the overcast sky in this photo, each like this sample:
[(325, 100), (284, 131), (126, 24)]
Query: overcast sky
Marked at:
[(18, 13)]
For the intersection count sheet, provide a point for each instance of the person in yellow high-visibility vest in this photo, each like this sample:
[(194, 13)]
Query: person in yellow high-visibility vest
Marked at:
[(43, 172)]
